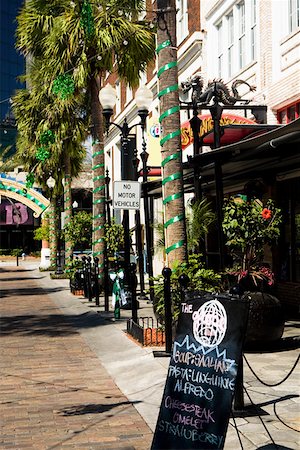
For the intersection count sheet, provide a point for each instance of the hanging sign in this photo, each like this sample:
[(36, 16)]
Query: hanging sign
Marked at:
[(208, 125), (196, 404), (127, 195)]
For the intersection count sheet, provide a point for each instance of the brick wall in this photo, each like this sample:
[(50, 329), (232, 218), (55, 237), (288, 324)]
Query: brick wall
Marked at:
[(265, 42), (194, 16)]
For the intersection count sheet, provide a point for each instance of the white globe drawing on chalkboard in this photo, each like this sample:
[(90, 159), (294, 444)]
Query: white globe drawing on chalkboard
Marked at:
[(210, 323)]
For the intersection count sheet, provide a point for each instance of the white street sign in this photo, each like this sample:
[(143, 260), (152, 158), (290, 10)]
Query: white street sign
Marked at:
[(127, 195)]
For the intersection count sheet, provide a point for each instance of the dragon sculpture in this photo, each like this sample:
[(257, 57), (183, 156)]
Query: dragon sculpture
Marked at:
[(215, 88)]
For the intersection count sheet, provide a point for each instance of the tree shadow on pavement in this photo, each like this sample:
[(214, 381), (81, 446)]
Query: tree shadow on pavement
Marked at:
[(19, 279), (15, 269), (92, 408), (48, 324), (30, 291)]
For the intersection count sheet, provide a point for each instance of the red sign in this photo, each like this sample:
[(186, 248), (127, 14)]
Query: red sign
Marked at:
[(207, 126)]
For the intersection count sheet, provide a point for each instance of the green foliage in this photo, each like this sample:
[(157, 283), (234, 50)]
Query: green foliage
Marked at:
[(42, 233), (201, 279), (5, 251), (248, 227), (35, 254), (198, 221), (73, 265), (16, 252), (114, 238), (199, 217), (60, 276), (79, 230), (160, 236)]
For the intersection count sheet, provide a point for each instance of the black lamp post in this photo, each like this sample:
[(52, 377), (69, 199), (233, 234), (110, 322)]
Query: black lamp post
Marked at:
[(144, 158), (143, 98), (138, 235), (107, 199), (51, 183)]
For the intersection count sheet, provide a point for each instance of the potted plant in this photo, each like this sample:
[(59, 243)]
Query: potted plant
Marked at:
[(250, 227)]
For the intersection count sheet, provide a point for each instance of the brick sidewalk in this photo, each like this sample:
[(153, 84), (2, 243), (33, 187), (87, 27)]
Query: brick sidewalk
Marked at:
[(54, 392)]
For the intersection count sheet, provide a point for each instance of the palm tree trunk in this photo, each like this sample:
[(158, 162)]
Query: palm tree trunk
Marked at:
[(68, 210), (173, 198), (98, 174)]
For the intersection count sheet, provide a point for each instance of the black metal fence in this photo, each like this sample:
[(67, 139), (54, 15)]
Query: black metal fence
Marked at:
[(147, 331)]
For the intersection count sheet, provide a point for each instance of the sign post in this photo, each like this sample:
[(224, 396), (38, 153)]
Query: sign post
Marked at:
[(196, 404)]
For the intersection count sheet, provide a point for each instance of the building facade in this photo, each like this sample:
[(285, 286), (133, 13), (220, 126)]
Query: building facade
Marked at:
[(251, 40), (259, 42)]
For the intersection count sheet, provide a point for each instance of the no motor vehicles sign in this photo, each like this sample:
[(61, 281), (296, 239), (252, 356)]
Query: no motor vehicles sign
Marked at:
[(127, 195)]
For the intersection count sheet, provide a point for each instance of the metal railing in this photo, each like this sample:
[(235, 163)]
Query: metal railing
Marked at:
[(146, 331)]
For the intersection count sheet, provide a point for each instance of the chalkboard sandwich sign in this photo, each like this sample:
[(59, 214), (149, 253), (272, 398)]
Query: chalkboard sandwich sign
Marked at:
[(198, 394)]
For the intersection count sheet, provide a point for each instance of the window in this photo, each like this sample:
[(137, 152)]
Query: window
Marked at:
[(242, 36), (294, 15), (236, 38), (289, 113), (253, 29), (220, 48), (181, 20), (230, 47)]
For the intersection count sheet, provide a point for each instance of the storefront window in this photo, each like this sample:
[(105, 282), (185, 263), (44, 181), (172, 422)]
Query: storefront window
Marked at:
[(289, 113)]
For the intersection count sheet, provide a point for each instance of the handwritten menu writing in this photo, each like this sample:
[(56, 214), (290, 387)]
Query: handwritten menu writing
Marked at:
[(200, 384)]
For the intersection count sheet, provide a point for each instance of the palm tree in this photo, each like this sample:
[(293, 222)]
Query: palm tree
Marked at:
[(199, 218), (87, 41), (37, 113)]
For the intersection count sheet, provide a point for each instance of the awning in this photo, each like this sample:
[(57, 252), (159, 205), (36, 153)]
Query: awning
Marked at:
[(270, 153), (245, 149), (236, 133)]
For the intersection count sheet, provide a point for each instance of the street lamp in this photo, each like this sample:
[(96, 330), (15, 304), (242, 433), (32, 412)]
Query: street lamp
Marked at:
[(143, 99), (51, 183)]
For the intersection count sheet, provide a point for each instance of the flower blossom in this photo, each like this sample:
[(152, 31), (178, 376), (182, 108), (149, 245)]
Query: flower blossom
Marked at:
[(266, 213)]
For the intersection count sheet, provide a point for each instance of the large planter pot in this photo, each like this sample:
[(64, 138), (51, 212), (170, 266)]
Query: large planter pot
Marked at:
[(266, 319)]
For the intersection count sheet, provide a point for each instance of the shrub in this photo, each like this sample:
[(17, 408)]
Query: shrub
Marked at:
[(201, 279), (79, 230)]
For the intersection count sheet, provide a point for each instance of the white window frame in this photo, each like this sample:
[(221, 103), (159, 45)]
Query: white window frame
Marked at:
[(230, 42), (182, 24), (236, 31), (220, 48), (241, 35), (253, 29), (294, 15)]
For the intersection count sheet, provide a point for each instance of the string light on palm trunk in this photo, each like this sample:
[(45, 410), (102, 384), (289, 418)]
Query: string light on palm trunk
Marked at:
[(100, 199)]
